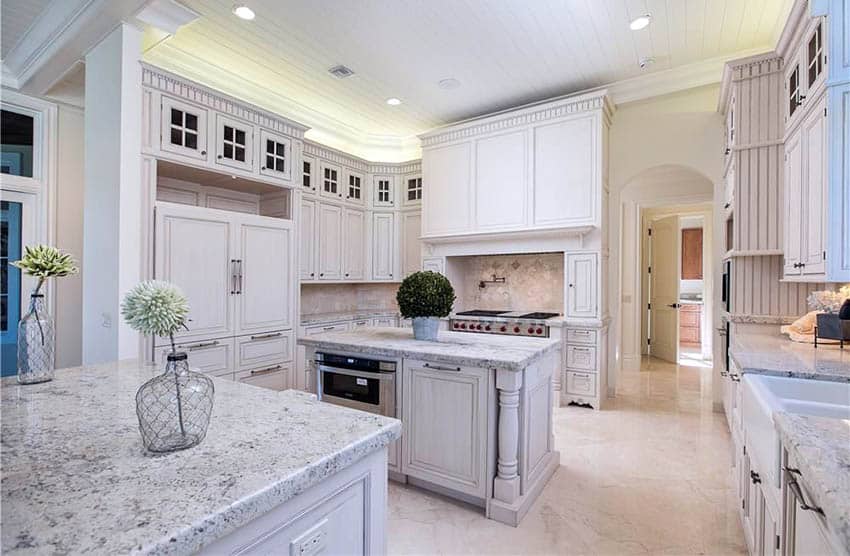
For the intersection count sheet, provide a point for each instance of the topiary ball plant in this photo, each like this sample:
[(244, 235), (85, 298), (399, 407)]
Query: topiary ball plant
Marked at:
[(425, 294)]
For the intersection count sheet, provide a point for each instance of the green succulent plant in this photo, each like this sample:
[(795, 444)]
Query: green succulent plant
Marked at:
[(156, 308), (425, 294), (43, 262)]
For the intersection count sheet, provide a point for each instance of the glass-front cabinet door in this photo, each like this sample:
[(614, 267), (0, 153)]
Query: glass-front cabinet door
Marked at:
[(10, 283), (413, 190), (815, 53), (383, 191), (234, 143), (309, 174), (354, 187), (275, 156), (184, 129), (331, 186)]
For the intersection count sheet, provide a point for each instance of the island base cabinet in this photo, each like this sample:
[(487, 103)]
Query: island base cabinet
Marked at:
[(446, 425), (344, 514)]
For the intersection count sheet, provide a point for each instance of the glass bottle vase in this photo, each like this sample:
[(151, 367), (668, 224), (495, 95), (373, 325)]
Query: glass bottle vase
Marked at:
[(174, 408), (36, 343)]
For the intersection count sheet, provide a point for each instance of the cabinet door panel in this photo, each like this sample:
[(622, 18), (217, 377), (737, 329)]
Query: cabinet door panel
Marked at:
[(411, 228), (275, 154), (814, 149), (194, 252), (234, 143), (447, 171), (581, 287), (383, 234), (264, 298), (183, 129), (307, 240), (212, 357), (793, 203), (501, 181), (565, 183), (445, 426), (274, 377), (330, 242), (354, 239)]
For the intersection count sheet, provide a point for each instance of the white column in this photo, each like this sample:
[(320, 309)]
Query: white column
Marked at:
[(112, 224), (506, 484)]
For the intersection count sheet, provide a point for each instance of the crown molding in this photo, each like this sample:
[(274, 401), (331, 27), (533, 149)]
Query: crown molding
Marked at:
[(342, 158), (743, 69)]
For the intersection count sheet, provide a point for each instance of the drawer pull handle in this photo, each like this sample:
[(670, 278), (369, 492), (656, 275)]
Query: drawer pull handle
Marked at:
[(441, 368), (754, 477), (202, 345), (798, 493), (264, 336), (267, 370), (328, 327)]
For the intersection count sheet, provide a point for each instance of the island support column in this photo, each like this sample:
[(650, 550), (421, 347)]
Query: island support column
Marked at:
[(506, 484)]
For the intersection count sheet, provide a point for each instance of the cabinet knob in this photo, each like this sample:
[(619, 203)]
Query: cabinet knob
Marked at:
[(219, 156), (346, 275), (204, 153), (263, 168), (321, 274), (570, 285), (728, 151), (312, 274)]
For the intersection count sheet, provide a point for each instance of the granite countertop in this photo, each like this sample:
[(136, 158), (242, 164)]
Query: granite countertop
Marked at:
[(452, 348), (347, 315), (76, 478), (821, 448), (775, 354)]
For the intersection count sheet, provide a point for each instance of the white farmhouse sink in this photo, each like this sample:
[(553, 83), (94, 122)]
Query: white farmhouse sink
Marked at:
[(763, 395)]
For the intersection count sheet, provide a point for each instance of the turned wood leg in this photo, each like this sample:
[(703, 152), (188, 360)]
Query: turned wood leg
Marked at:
[(506, 483)]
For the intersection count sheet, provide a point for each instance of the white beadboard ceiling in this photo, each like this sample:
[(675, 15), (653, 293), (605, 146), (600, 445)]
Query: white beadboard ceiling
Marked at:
[(504, 52), (16, 16)]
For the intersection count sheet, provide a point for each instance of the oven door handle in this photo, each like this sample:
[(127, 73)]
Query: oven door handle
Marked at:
[(357, 374)]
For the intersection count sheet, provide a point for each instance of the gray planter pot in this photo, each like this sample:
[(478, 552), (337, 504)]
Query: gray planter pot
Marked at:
[(425, 328), (831, 327)]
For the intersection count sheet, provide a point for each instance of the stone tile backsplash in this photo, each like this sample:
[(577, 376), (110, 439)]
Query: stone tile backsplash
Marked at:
[(339, 298), (532, 282)]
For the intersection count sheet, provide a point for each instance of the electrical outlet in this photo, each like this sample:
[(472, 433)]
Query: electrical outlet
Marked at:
[(106, 321), (311, 542)]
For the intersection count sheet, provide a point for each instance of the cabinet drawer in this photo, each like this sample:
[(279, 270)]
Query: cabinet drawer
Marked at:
[(320, 329), (581, 357), (581, 336), (361, 323), (258, 349), (273, 377), (390, 322), (213, 357), (583, 384)]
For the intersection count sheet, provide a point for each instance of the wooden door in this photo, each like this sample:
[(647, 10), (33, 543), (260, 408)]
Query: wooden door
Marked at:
[(582, 292), (383, 234), (265, 294), (664, 289), (445, 425), (330, 242), (793, 204), (194, 251), (307, 240), (815, 190), (354, 240), (692, 254)]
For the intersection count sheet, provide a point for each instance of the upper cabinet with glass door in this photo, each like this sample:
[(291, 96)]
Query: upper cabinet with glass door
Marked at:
[(355, 189), (805, 71), (309, 174), (275, 155), (412, 194), (331, 181), (383, 194), (184, 129), (234, 143)]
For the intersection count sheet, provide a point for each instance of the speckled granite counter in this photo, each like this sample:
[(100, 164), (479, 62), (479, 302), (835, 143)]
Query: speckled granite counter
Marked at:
[(453, 348), (775, 354), (317, 318), (75, 477), (821, 448)]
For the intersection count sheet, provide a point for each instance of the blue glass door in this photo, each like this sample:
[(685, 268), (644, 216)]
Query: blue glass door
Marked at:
[(10, 285)]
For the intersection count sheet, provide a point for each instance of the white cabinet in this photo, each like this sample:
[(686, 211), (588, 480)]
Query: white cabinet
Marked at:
[(235, 269), (183, 129), (383, 245), (582, 285), (445, 425), (275, 153), (330, 242), (501, 177), (383, 192), (309, 174), (354, 188), (330, 179), (274, 377), (234, 143), (308, 230), (354, 240), (412, 194), (793, 203), (212, 357), (262, 350), (447, 208), (411, 250)]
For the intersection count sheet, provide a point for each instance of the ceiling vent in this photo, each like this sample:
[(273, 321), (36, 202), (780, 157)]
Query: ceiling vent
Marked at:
[(341, 72)]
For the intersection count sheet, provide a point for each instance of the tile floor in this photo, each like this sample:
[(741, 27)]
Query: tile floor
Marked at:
[(648, 475)]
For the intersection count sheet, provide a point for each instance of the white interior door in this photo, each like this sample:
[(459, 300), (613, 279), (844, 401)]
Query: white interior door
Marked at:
[(664, 289), (194, 252), (265, 274)]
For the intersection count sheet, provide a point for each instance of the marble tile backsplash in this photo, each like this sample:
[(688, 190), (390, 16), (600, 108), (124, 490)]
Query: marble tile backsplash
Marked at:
[(340, 298), (532, 282)]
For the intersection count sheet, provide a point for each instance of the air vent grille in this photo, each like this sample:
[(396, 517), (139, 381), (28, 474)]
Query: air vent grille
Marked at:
[(341, 72)]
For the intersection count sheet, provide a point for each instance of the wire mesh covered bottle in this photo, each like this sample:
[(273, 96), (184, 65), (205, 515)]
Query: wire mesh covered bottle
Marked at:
[(36, 343), (174, 408)]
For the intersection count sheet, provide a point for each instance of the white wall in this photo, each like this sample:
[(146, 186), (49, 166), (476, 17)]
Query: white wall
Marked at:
[(69, 235), (663, 150)]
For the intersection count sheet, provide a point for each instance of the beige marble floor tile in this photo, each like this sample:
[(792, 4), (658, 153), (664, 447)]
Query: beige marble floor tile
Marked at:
[(649, 475)]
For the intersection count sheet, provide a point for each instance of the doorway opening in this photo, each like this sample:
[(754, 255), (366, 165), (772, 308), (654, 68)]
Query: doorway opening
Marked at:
[(676, 283)]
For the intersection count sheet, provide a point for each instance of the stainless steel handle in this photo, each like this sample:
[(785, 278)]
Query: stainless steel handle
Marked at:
[(441, 368), (232, 276), (754, 477), (734, 378), (201, 345), (239, 276), (266, 371), (357, 374), (798, 493), (328, 327), (264, 336)]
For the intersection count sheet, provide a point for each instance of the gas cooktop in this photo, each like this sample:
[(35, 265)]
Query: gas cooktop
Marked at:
[(517, 323), (481, 313)]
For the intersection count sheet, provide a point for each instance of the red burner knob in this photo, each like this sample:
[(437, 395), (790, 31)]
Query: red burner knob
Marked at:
[(478, 327), (504, 329), (539, 331), (531, 330), (516, 329), (463, 326), (456, 325), (487, 328)]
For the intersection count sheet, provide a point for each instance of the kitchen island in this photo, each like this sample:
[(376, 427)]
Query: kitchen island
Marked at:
[(476, 411), (278, 472)]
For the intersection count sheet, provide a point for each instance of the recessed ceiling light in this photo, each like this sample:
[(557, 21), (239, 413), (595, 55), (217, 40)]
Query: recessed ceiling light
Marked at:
[(392, 101), (640, 22), (243, 12), (449, 83)]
